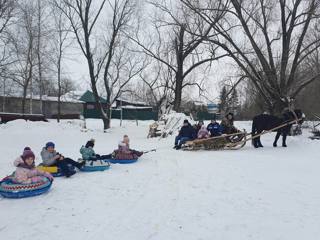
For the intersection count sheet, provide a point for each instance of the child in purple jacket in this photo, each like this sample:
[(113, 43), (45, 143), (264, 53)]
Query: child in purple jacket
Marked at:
[(26, 171)]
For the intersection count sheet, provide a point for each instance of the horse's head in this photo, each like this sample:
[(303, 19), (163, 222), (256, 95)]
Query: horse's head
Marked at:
[(296, 114), (300, 115)]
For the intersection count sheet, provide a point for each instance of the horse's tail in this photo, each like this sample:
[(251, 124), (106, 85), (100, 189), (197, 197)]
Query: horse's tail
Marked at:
[(253, 129)]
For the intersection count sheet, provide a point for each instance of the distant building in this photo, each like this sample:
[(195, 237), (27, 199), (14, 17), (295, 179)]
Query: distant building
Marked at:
[(91, 108), (126, 102), (69, 107), (76, 103), (128, 109), (213, 108), (201, 110)]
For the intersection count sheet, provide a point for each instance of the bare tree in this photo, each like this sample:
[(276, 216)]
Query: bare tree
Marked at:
[(61, 42), (100, 59), (157, 92), (122, 64), (268, 41), (23, 42), (7, 8), (176, 48), (40, 47)]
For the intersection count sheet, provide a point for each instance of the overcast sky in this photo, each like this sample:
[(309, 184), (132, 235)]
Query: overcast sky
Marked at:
[(76, 68)]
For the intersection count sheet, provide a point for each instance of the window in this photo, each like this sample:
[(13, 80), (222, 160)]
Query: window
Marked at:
[(90, 106)]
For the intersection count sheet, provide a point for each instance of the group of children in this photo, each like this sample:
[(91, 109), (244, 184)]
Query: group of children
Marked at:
[(200, 131), (26, 171)]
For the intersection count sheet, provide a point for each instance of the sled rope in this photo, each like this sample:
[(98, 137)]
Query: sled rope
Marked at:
[(148, 151)]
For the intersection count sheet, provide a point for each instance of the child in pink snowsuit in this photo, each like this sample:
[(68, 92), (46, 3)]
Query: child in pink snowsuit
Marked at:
[(124, 151), (26, 171), (203, 132)]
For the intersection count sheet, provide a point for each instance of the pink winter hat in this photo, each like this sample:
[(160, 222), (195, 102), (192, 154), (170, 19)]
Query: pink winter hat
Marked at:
[(27, 154)]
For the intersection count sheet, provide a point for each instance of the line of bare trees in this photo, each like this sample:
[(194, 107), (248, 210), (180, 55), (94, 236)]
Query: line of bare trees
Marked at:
[(161, 51), (269, 40), (28, 45)]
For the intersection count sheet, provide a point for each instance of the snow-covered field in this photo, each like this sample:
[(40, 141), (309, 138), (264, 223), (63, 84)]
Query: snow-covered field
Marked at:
[(246, 194)]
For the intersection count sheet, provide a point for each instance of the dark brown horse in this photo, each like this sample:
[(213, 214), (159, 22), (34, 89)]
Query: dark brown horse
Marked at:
[(265, 122)]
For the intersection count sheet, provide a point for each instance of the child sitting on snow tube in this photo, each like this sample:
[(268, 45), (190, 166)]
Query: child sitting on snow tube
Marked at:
[(124, 151), (52, 158), (88, 153), (26, 171)]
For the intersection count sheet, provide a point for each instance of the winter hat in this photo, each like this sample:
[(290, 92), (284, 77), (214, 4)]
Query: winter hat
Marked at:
[(90, 143), (185, 121), (230, 114), (27, 148), (27, 154), (50, 144), (126, 138)]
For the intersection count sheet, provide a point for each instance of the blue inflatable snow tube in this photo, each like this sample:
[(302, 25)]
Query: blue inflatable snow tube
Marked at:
[(123, 161), (94, 169), (94, 166), (10, 189)]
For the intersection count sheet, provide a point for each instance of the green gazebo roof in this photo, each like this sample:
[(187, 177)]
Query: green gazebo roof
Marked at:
[(88, 97)]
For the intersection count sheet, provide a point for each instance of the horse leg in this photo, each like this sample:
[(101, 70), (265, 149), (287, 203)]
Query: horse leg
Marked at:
[(255, 142), (277, 138), (259, 144), (285, 133), (253, 133), (284, 138)]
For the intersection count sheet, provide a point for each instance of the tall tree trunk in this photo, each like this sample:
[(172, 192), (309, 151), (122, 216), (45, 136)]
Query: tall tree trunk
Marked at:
[(39, 57), (104, 115), (179, 48), (23, 104), (59, 88), (4, 96), (106, 121), (177, 94), (279, 106)]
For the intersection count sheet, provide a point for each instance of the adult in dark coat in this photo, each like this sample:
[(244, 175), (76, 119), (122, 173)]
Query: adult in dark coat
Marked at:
[(227, 124), (186, 133)]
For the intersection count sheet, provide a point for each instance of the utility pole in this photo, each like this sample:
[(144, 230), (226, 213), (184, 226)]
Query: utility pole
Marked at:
[(4, 96), (121, 113)]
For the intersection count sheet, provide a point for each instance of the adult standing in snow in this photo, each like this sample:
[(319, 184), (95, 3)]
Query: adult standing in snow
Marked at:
[(214, 128), (52, 158), (186, 133), (227, 124)]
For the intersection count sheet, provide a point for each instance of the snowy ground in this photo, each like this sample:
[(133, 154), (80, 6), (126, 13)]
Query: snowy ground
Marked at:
[(246, 194)]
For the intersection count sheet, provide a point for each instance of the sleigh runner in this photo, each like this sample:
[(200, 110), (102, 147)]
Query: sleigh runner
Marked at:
[(224, 142)]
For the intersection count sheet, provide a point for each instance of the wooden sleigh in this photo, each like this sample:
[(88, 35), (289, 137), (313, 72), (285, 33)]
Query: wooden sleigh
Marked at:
[(232, 141)]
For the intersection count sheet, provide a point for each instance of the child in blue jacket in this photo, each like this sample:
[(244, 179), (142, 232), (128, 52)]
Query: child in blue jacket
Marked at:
[(214, 128)]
